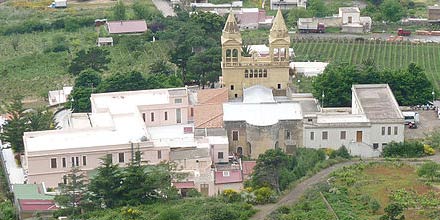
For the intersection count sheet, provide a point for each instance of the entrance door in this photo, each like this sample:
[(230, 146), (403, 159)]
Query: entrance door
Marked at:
[(358, 136), (350, 19), (204, 189)]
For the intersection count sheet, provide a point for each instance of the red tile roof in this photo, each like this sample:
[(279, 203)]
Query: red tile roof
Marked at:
[(248, 167), (184, 185), (234, 176), (127, 27), (208, 113), (37, 205)]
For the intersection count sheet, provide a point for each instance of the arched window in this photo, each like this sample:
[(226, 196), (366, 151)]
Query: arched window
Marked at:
[(249, 147), (235, 55), (277, 145), (240, 151)]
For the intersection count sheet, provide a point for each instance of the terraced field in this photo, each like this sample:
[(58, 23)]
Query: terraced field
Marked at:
[(387, 55)]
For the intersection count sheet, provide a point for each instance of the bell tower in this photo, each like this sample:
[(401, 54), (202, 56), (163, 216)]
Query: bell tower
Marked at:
[(279, 40), (231, 42)]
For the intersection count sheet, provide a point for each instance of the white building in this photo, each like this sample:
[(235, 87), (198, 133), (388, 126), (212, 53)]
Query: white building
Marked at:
[(373, 121), (58, 97), (287, 4), (352, 22)]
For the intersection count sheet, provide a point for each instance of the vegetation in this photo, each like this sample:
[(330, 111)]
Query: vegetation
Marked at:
[(23, 120), (409, 86), (277, 170), (7, 210), (367, 191), (429, 171), (404, 149)]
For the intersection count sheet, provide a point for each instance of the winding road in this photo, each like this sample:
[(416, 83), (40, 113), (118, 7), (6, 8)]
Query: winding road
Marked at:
[(295, 194)]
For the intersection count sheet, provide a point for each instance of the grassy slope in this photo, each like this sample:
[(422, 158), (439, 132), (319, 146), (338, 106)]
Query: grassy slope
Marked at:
[(377, 181), (32, 73)]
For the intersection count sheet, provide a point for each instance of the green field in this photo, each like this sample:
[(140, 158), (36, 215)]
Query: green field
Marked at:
[(386, 55)]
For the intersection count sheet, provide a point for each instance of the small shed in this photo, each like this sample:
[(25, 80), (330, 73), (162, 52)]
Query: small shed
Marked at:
[(105, 41), (127, 27)]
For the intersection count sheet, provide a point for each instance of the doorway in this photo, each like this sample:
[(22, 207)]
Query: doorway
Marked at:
[(358, 136)]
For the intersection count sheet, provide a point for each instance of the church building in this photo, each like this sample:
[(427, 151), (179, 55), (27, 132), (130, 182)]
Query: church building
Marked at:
[(240, 72)]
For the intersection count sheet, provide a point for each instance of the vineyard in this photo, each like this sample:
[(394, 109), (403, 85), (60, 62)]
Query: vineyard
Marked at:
[(388, 55)]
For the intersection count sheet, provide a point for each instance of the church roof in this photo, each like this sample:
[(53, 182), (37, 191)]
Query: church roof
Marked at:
[(279, 29), (231, 31), (231, 25)]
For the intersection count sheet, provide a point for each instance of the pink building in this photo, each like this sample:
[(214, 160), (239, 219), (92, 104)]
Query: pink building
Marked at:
[(154, 122)]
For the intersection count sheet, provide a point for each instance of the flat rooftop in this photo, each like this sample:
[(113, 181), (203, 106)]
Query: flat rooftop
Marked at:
[(181, 135), (341, 118), (261, 114), (377, 101)]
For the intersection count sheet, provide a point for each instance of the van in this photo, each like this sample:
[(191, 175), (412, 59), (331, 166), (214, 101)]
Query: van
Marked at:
[(411, 117)]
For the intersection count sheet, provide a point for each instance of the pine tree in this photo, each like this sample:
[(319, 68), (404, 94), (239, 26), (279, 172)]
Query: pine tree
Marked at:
[(73, 194), (105, 187)]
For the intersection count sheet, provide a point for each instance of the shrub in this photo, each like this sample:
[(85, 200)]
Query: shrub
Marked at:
[(374, 206), (170, 214), (404, 149), (193, 193), (428, 149), (230, 195), (222, 212), (264, 195), (429, 170), (341, 152)]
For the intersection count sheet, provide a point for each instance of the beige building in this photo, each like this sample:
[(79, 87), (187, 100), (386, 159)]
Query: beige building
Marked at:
[(373, 121), (240, 72)]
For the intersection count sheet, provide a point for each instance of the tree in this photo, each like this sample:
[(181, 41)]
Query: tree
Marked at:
[(88, 78), (72, 194), (211, 23), (80, 99), (391, 10), (143, 11), (119, 11), (124, 82), (296, 13), (394, 211), (205, 66), (105, 186), (341, 152), (317, 7), (7, 210), (15, 126), (433, 139), (161, 67), (269, 167), (40, 119), (429, 170), (95, 58)]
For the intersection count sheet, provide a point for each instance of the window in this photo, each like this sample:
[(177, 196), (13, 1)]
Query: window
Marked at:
[(177, 101), (121, 157), (384, 144), (260, 73), (63, 161), (343, 135), (279, 86), (64, 179), (232, 86), (53, 163), (220, 155), (226, 173), (73, 161), (178, 116), (312, 135), (383, 130), (375, 146), (192, 112), (77, 161), (395, 130), (143, 116), (264, 73), (166, 116), (251, 75), (287, 135), (159, 154), (236, 95), (324, 135), (235, 135), (389, 130), (246, 75), (152, 116), (309, 119), (110, 157), (84, 161)]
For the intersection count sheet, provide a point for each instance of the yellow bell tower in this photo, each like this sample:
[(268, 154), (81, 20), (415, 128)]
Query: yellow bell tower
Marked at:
[(271, 71)]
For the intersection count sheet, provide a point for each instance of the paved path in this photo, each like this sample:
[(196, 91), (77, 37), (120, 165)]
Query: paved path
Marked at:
[(295, 194), (164, 7), (14, 172)]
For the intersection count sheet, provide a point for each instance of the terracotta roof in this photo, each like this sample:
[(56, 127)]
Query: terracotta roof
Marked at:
[(37, 205), (248, 167), (184, 185), (208, 113), (126, 27), (208, 116), (212, 96), (231, 176)]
